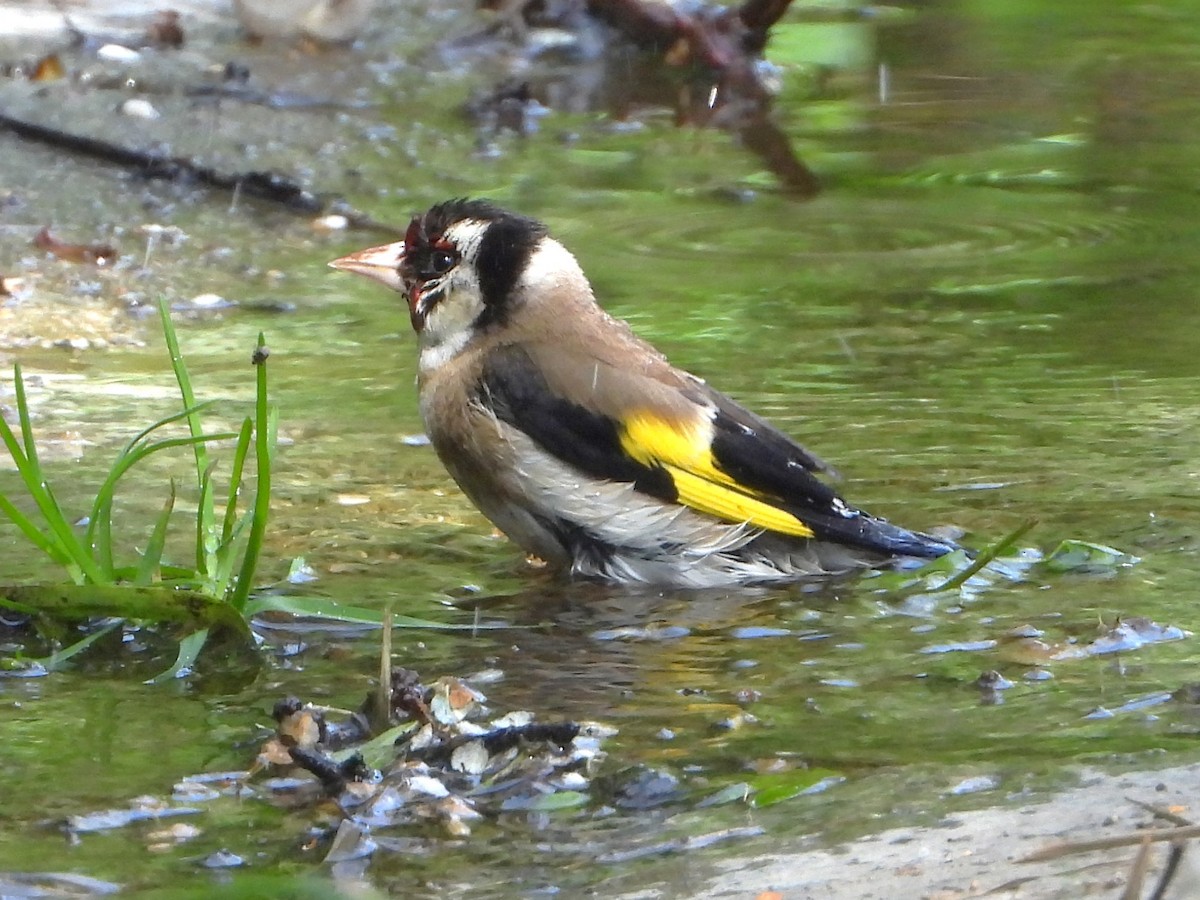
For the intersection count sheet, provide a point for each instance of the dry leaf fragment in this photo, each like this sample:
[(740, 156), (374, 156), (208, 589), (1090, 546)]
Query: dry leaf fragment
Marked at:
[(165, 30), (99, 254), (48, 68)]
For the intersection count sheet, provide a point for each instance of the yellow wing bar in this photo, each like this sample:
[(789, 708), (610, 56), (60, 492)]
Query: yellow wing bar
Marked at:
[(685, 451)]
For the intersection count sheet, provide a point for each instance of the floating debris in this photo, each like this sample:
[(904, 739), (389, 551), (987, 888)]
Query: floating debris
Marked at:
[(223, 859), (975, 785), (15, 287), (141, 810), (1137, 704), (444, 763), (959, 647), (205, 301), (1085, 557), (1134, 632)]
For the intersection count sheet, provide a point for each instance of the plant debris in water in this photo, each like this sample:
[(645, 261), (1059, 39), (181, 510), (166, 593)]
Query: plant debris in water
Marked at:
[(447, 761)]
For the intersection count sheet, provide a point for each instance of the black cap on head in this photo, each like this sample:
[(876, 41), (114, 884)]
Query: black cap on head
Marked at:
[(503, 252)]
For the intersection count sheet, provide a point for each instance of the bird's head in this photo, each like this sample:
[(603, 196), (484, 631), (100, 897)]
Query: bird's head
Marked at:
[(459, 266)]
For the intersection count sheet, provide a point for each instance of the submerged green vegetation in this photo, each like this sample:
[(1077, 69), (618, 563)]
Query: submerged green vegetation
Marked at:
[(214, 591)]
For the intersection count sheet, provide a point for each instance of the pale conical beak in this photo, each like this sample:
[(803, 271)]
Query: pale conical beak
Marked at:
[(379, 263)]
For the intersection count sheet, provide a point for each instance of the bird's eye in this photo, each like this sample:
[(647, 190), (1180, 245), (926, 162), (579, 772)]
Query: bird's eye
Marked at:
[(443, 261)]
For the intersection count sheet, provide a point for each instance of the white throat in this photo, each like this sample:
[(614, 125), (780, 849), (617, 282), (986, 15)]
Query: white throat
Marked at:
[(434, 355)]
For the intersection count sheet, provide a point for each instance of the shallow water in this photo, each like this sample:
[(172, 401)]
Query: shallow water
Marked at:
[(987, 316)]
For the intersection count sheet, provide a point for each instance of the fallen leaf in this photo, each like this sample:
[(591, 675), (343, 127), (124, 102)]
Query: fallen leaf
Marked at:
[(99, 254)]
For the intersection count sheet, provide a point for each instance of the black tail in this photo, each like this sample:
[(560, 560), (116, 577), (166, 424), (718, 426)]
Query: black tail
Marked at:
[(866, 531)]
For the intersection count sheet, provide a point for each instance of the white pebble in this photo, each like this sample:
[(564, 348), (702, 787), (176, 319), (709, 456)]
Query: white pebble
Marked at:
[(117, 53), (331, 222), (139, 109)]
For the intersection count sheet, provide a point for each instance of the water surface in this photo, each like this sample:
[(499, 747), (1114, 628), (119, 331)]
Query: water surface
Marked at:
[(987, 316)]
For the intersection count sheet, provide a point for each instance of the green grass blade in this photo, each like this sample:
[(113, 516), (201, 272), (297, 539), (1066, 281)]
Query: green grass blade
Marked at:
[(11, 443), (39, 487), (228, 556), (81, 565), (183, 577), (189, 649), (235, 479), (167, 420), (986, 555), (152, 557), (100, 523), (99, 534), (23, 418), (58, 659), (206, 537), (127, 461), (263, 447), (44, 542), (184, 380)]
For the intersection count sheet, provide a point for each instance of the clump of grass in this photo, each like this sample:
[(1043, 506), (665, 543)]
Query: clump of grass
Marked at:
[(228, 540), (214, 592)]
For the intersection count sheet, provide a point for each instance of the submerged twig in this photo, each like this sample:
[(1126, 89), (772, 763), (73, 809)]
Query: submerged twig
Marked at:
[(269, 186), (1067, 848), (1137, 873), (333, 775), (1169, 871), (501, 739), (1160, 812)]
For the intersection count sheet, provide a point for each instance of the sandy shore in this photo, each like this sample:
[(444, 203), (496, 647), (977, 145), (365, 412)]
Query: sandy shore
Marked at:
[(980, 853)]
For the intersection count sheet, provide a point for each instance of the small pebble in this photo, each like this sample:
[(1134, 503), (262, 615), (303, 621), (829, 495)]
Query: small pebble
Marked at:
[(117, 53), (208, 301), (223, 859), (331, 223), (136, 108)]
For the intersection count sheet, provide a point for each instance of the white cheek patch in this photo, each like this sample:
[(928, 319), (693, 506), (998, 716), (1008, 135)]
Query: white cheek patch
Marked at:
[(448, 326), (549, 264)]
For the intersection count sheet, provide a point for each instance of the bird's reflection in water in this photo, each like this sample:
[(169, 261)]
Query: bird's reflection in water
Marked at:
[(589, 650)]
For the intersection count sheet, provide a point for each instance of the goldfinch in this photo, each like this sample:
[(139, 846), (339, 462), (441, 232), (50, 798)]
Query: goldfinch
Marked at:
[(582, 443)]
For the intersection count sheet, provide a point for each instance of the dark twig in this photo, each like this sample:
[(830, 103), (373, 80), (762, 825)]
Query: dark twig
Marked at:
[(334, 776), (1169, 871), (501, 739), (560, 734), (269, 186), (1160, 812)]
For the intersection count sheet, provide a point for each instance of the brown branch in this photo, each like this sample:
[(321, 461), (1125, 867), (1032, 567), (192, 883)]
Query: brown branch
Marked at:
[(1066, 848)]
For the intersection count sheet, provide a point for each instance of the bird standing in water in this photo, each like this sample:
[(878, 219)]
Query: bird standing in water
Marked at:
[(582, 443)]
